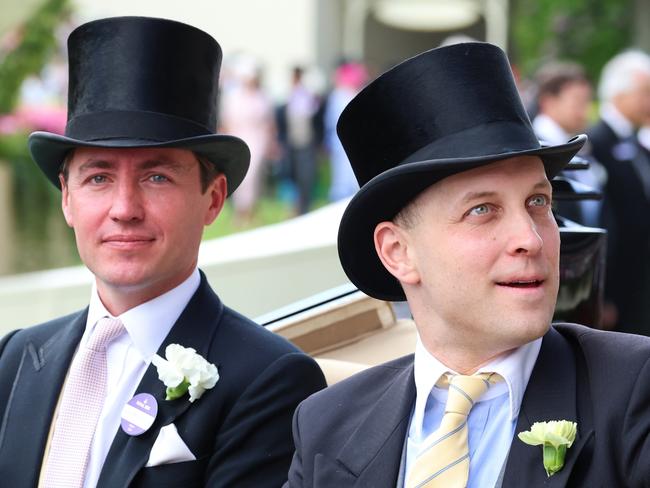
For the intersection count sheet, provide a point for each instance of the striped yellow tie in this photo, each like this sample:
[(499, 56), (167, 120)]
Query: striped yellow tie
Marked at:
[(446, 462)]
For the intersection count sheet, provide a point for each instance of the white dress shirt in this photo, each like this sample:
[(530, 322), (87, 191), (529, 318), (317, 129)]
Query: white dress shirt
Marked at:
[(492, 420), (549, 131), (128, 358), (622, 127)]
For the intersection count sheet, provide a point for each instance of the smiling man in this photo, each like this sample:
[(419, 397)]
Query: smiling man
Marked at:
[(454, 215), (141, 173)]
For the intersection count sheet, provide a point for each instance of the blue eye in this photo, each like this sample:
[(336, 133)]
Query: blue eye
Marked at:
[(479, 210), (98, 179), (158, 178), (538, 201)]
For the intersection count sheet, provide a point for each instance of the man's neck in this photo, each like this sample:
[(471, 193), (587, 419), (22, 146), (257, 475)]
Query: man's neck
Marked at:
[(464, 362), (118, 300)]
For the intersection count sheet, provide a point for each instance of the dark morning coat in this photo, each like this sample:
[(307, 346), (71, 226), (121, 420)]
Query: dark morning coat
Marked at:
[(626, 206), (239, 431), (352, 434)]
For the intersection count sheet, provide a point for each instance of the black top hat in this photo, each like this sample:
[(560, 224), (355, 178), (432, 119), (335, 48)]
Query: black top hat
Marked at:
[(441, 112), (142, 82)]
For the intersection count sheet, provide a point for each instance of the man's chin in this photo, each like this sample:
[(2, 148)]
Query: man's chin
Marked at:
[(127, 281)]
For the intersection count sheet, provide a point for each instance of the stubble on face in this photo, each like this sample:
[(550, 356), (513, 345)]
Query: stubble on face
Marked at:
[(486, 248)]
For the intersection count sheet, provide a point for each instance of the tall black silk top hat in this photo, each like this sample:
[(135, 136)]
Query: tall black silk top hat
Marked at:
[(441, 112), (142, 82)]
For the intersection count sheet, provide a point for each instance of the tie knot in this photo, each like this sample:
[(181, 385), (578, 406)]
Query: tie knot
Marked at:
[(465, 390), (105, 331)]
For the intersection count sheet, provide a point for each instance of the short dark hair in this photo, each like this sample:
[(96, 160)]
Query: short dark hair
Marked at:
[(553, 77), (208, 171), (409, 216)]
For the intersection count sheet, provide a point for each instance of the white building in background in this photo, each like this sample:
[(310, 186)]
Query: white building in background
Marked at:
[(318, 33)]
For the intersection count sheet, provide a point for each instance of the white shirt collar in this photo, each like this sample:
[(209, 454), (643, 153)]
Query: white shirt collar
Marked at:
[(149, 323), (515, 367), (622, 127), (549, 131), (644, 136)]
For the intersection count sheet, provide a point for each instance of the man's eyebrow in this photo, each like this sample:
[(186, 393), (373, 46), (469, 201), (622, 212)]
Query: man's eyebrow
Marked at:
[(478, 195), (96, 164), (543, 185), (163, 163), (148, 164)]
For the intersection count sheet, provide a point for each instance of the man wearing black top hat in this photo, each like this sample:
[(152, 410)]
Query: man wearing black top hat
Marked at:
[(454, 215), (156, 383)]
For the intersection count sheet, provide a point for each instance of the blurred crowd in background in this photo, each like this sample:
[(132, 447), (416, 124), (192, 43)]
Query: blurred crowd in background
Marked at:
[(296, 157), (291, 139)]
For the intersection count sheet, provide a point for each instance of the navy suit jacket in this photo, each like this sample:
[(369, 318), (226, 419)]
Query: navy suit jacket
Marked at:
[(239, 431), (625, 208), (352, 434)]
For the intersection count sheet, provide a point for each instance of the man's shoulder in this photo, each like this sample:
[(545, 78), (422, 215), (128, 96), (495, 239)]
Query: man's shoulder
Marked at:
[(361, 390), (236, 330), (245, 331), (609, 341), (250, 352), (43, 331), (607, 349), (37, 339)]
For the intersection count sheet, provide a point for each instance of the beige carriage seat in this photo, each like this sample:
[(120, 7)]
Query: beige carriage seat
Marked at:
[(349, 334)]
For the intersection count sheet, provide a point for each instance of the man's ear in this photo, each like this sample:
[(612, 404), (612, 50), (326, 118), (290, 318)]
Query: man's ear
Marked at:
[(65, 203), (218, 191), (392, 247)]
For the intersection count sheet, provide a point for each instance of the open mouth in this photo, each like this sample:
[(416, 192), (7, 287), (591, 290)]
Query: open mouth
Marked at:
[(521, 283)]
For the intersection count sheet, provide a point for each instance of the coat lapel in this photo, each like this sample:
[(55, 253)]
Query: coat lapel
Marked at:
[(550, 395), (373, 453), (43, 367), (194, 328)]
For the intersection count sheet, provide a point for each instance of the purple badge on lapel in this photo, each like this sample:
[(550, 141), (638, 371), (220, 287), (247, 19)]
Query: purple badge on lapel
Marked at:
[(139, 414)]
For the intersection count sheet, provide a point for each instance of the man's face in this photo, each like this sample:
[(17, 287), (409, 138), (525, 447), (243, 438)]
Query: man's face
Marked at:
[(485, 247), (138, 216), (635, 103), (570, 107)]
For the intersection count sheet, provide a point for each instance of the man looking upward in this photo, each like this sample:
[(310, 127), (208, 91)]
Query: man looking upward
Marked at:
[(454, 215)]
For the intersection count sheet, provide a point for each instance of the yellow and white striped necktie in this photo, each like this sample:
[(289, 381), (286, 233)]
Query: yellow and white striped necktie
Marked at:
[(446, 462)]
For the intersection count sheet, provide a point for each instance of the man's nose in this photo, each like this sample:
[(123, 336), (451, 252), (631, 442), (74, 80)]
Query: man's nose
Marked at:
[(126, 204), (524, 237)]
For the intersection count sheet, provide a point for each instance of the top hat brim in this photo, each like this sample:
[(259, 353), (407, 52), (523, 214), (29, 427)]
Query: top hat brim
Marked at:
[(381, 199), (229, 154)]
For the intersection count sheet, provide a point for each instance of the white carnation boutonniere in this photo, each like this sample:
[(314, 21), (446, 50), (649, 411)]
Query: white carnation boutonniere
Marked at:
[(185, 371), (555, 437)]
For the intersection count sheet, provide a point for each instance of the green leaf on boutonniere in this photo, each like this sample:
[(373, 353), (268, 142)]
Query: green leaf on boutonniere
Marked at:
[(555, 437), (177, 391)]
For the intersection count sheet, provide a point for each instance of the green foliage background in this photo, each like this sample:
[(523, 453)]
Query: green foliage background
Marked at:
[(586, 31), (44, 240), (33, 52)]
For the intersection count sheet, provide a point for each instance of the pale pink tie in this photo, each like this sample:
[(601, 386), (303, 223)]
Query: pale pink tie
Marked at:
[(79, 409)]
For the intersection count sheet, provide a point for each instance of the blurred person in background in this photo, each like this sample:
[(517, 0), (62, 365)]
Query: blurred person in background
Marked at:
[(563, 100), (300, 138), (349, 78), (624, 92), (247, 112)]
